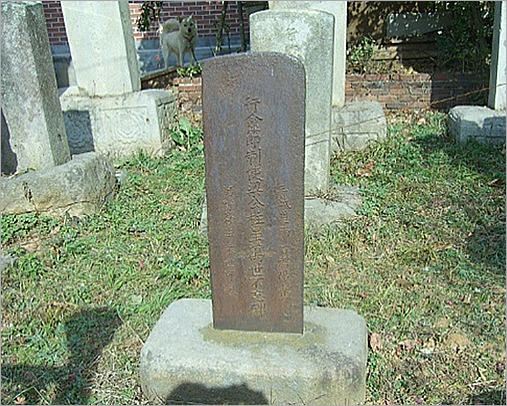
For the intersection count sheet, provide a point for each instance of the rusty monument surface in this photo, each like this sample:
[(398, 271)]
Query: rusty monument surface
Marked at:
[(253, 121)]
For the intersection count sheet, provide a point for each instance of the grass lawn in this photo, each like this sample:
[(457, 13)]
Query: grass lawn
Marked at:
[(423, 262)]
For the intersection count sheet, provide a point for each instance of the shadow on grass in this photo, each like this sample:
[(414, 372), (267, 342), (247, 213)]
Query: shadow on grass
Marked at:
[(191, 393), (88, 332), (487, 243), (490, 397)]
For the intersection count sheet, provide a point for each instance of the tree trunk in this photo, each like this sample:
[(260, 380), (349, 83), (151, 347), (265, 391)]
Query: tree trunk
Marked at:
[(241, 26), (218, 46)]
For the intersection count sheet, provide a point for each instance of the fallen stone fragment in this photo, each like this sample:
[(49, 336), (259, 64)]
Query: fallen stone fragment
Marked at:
[(78, 187)]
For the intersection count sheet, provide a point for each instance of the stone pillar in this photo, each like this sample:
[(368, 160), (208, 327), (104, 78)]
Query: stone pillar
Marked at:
[(102, 46), (30, 105), (307, 35), (339, 10), (254, 147), (497, 89)]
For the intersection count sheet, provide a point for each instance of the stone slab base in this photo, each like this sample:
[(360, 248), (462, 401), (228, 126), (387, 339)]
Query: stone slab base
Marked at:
[(341, 204), (186, 360), (475, 122), (118, 126), (356, 125), (80, 186)]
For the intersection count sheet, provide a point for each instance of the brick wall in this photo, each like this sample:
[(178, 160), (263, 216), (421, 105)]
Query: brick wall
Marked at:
[(54, 23), (420, 91), (206, 14), (188, 93), (393, 92)]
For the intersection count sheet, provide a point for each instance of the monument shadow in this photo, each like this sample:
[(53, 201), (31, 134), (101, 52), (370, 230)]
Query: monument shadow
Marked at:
[(193, 393), (9, 158), (488, 397), (88, 331), (487, 243)]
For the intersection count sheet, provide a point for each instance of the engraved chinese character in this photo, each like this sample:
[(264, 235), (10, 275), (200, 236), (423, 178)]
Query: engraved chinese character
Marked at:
[(256, 217), (282, 197), (257, 254), (255, 202), (252, 103), (253, 157), (258, 308), (257, 269)]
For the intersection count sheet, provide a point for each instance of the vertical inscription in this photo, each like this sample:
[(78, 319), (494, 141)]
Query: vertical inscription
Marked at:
[(291, 46), (254, 152), (229, 261), (256, 206), (283, 265)]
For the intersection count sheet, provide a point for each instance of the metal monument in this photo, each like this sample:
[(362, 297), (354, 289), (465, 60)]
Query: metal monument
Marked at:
[(254, 125)]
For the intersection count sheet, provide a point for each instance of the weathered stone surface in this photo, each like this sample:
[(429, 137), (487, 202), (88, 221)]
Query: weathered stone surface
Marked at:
[(342, 204), (118, 126), (253, 121), (30, 103), (480, 123), (102, 45), (356, 125), (339, 10), (77, 187), (307, 35), (185, 360)]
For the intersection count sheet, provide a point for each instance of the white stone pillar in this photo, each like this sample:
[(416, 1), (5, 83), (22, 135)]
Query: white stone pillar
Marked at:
[(102, 47), (497, 87), (308, 36), (339, 10)]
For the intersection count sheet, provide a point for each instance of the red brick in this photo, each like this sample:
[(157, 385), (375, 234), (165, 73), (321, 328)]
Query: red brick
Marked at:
[(373, 77), (398, 91), (419, 105), (353, 78), (395, 84), (387, 98), (379, 91)]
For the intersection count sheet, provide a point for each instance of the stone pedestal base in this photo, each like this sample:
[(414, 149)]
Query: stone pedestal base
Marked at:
[(356, 125), (480, 123), (118, 126), (186, 360), (342, 203)]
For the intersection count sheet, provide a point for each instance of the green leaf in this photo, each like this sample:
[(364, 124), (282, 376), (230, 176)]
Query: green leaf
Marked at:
[(185, 125)]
